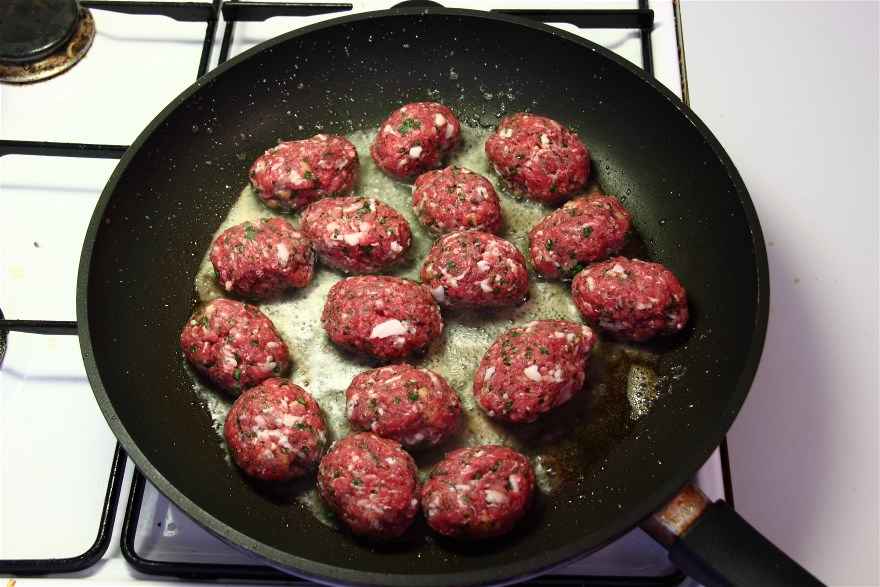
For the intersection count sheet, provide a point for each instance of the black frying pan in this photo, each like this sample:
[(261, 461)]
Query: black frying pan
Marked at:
[(157, 214)]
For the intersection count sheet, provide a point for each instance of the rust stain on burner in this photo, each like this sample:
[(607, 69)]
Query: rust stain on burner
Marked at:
[(57, 62)]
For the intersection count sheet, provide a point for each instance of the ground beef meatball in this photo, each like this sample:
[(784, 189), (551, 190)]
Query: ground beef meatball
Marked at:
[(478, 492), (475, 269), (275, 431), (631, 299), (234, 345), (538, 158), (530, 370), (259, 260), (371, 484), (293, 174), (356, 235), (415, 138), (386, 317), (455, 198), (582, 231), (415, 407)]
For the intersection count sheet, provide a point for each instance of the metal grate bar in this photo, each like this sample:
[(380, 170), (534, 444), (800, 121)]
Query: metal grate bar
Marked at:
[(226, 43), (102, 541), (200, 571), (51, 149), (39, 326), (258, 11), (181, 11), (590, 18), (208, 43), (647, 45), (235, 11)]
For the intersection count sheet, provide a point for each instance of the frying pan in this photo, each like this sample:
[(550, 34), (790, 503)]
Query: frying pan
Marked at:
[(172, 188)]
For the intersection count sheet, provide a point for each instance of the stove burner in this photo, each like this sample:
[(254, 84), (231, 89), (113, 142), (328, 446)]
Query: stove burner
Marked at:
[(31, 29), (41, 38)]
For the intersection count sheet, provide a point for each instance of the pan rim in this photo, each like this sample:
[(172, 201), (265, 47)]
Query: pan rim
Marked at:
[(518, 570)]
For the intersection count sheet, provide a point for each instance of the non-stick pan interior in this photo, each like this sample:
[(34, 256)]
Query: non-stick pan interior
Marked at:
[(173, 188)]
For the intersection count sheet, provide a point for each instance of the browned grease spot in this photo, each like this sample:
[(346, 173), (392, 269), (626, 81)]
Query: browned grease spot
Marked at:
[(576, 437)]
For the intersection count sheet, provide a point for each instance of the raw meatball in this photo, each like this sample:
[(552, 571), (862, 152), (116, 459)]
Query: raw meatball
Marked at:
[(530, 370), (356, 235), (415, 407), (234, 345), (386, 317), (275, 431), (260, 260), (538, 157), (475, 269), (631, 299), (293, 174), (478, 492), (582, 231), (415, 138), (370, 483), (454, 199)]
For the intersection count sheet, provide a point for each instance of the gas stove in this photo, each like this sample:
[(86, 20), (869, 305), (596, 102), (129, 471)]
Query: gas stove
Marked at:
[(70, 504)]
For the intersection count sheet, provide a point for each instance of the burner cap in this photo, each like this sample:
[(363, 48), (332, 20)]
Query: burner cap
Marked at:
[(32, 29)]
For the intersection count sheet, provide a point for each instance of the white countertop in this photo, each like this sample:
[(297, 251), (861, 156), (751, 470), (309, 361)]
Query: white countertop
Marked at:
[(790, 89)]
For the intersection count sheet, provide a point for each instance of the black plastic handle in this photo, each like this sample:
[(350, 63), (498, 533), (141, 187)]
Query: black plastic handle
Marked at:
[(721, 548)]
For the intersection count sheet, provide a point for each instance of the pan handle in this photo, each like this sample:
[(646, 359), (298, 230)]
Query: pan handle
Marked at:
[(716, 546)]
